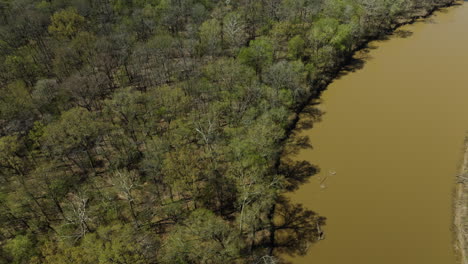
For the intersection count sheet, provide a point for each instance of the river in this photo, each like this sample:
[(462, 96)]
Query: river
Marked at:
[(389, 145)]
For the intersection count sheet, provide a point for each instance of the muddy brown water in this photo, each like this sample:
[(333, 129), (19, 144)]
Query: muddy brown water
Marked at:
[(393, 132)]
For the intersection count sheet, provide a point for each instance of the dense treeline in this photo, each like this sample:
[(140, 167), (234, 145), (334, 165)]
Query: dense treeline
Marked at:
[(150, 131)]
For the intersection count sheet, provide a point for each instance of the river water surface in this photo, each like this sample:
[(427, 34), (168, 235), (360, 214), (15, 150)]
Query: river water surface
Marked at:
[(393, 132)]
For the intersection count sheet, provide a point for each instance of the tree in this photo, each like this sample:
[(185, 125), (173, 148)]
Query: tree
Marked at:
[(152, 131), (16, 107), (203, 238), (46, 96), (258, 55), (10, 149), (115, 243), (288, 76), (234, 30), (151, 63), (126, 184), (23, 66), (330, 41), (73, 137), (296, 47), (210, 37), (87, 89), (300, 11), (21, 249), (66, 24)]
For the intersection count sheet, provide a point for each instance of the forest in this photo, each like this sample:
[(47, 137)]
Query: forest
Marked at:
[(153, 131)]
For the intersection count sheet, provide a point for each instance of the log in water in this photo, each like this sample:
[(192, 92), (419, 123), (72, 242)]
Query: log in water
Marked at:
[(390, 143)]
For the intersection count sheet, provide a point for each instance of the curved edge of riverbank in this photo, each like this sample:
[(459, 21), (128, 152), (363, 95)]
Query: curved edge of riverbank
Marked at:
[(460, 200), (321, 84), (461, 210)]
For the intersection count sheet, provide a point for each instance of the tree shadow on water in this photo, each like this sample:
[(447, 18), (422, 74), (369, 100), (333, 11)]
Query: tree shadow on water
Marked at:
[(296, 229), (298, 172), (354, 64), (309, 116), (357, 61), (362, 55), (401, 33)]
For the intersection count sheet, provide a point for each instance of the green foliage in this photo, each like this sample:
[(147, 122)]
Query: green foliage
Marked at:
[(258, 55), (296, 47), (210, 35), (234, 30), (328, 39), (76, 130), (151, 131), (47, 96), (110, 244), (22, 66), (17, 103), (202, 238), (66, 23), (20, 249), (288, 77)]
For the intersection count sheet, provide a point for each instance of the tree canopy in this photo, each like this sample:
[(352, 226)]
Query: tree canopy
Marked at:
[(153, 131)]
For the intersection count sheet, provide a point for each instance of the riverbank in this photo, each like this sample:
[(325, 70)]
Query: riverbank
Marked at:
[(397, 186), (461, 212), (164, 120), (363, 43), (324, 81)]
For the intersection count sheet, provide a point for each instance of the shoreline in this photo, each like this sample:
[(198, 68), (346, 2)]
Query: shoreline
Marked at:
[(323, 83), (460, 194), (460, 207)]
